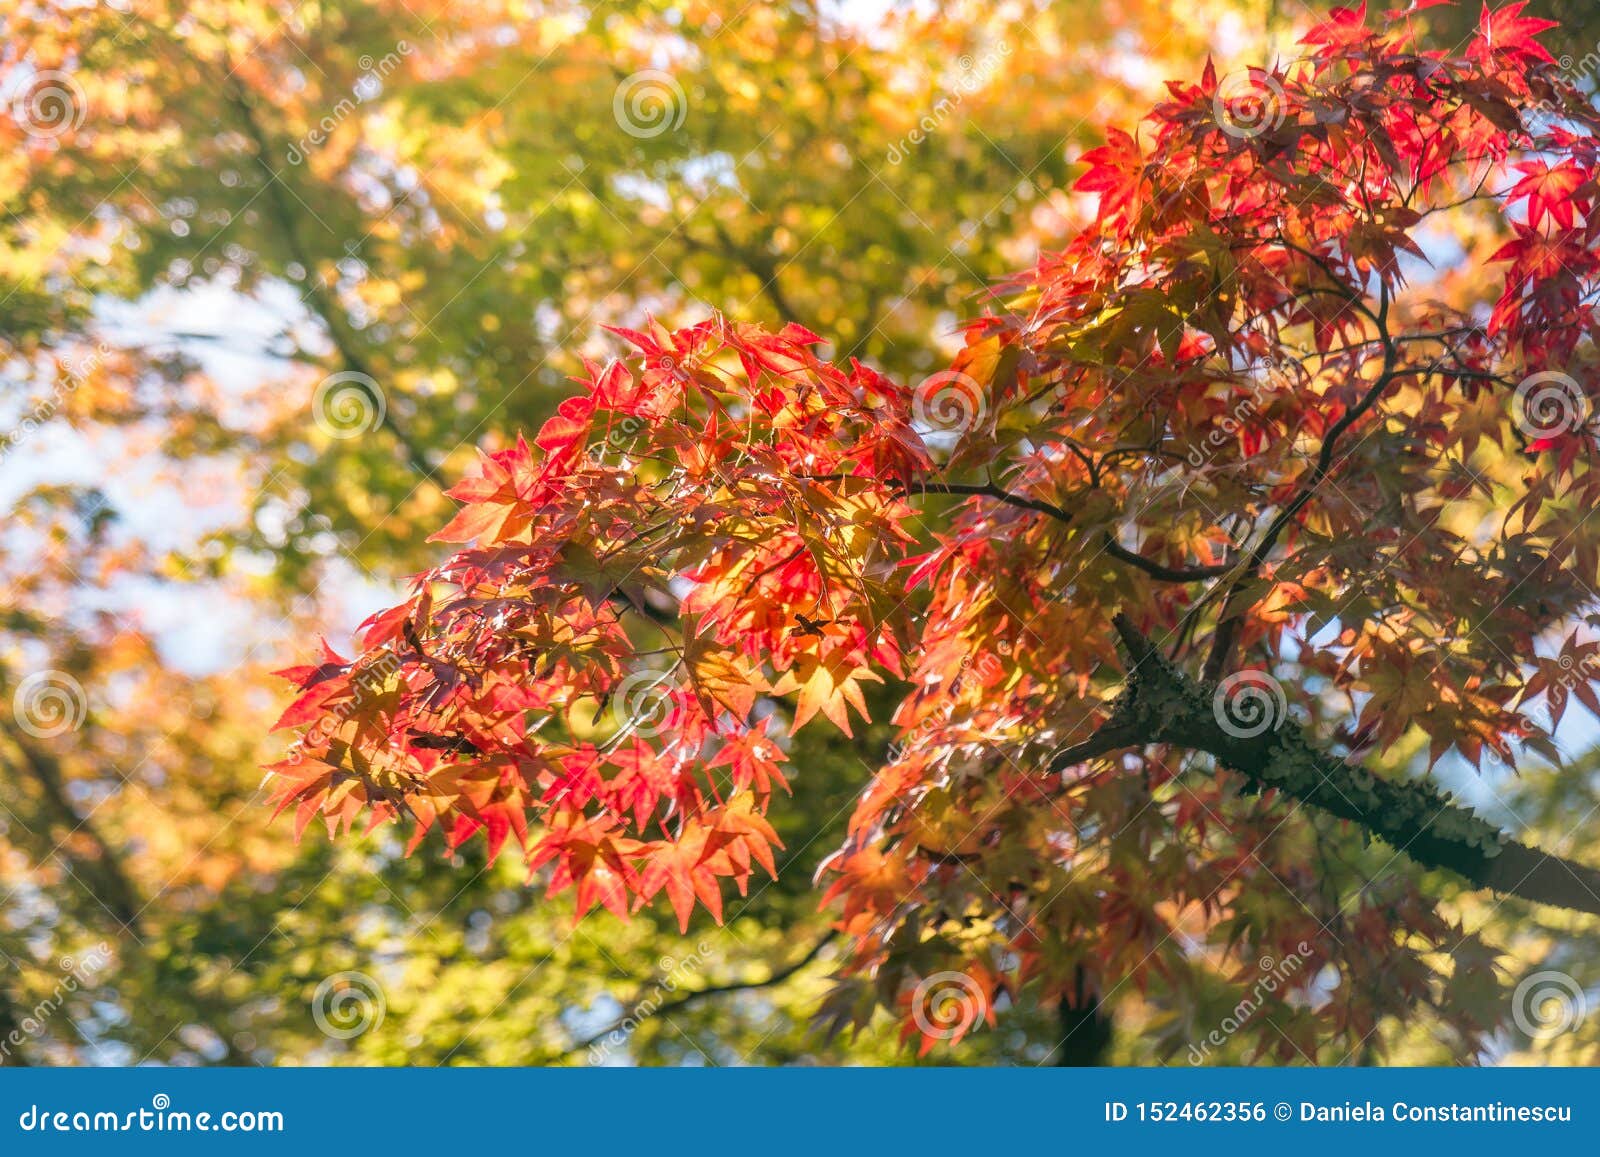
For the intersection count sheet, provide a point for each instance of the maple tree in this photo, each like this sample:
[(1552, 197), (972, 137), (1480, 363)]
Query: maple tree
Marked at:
[(182, 263), (1235, 428), (478, 162)]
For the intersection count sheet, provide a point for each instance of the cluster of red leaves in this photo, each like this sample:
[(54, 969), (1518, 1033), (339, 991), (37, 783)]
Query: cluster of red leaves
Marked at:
[(1223, 409), (713, 526)]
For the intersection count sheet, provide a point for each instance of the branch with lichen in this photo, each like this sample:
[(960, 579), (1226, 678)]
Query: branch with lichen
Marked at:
[(1160, 703)]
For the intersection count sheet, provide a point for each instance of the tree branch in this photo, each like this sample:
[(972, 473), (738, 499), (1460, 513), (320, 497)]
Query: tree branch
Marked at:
[(283, 215), (1162, 704), (699, 994), (1232, 615), (110, 886), (1166, 574), (764, 269), (999, 494), (114, 892), (10, 1033), (1115, 549)]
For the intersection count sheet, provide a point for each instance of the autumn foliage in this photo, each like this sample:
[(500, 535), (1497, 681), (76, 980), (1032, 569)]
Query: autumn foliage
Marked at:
[(1253, 409)]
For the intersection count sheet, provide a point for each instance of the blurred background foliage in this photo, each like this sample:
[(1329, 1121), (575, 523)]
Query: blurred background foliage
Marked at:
[(444, 199)]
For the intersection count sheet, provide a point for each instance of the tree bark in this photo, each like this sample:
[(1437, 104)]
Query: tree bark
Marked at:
[(1162, 704), (1086, 1028)]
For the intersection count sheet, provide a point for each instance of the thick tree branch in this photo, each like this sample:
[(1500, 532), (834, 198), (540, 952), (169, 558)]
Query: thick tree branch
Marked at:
[(1162, 704), (1086, 1027)]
